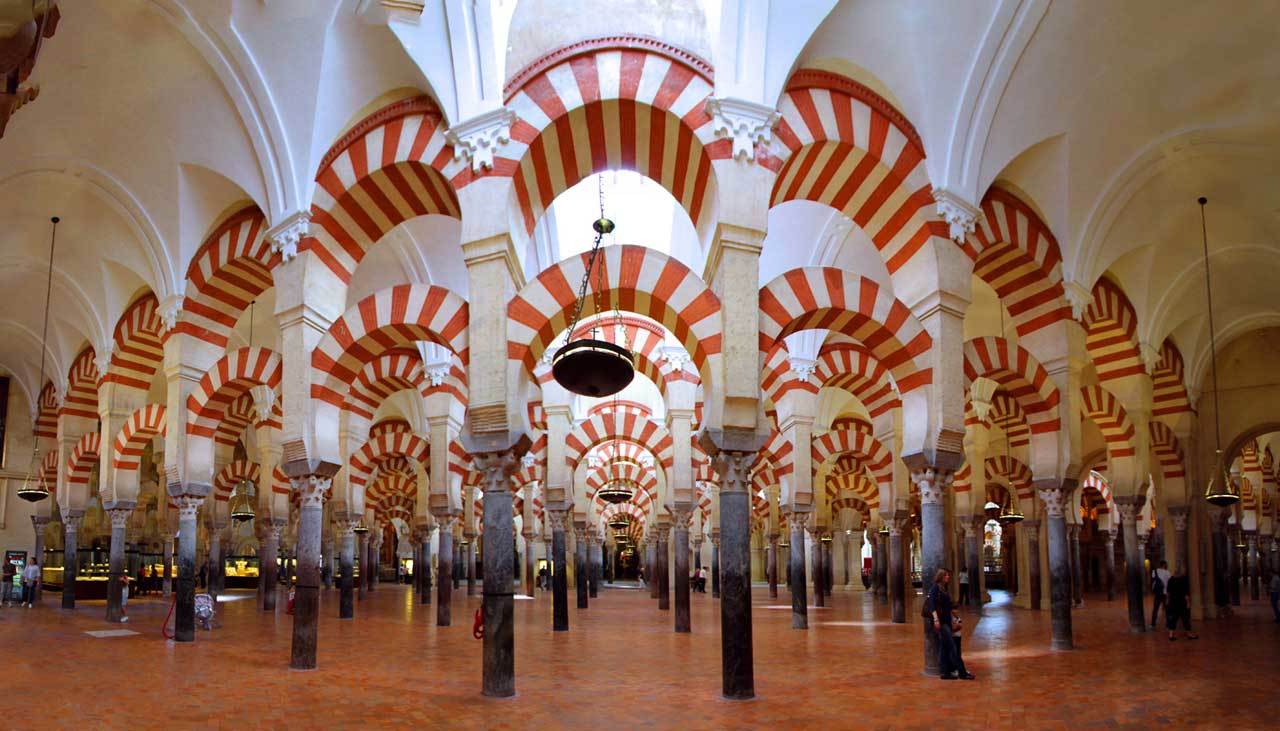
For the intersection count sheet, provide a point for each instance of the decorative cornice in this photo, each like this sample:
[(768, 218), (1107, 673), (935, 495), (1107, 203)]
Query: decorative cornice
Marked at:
[(747, 123), (479, 138), (566, 53), (815, 79)]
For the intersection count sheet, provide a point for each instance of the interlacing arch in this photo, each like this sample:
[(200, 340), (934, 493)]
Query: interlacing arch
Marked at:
[(227, 380), (1015, 472), (49, 471), (1019, 374), (1168, 383), (229, 270), (777, 379), (866, 448), (1008, 416), (841, 144), (82, 387), (1095, 494), (636, 279), (238, 415), (387, 444), (384, 321), (1111, 326), (833, 299), (629, 103), (391, 166), (46, 424), (1105, 410), (863, 488), (621, 426), (1165, 444), (397, 370), (139, 345), (850, 367), (83, 458), (141, 426), (1015, 252), (393, 425), (235, 472), (639, 517), (620, 470)]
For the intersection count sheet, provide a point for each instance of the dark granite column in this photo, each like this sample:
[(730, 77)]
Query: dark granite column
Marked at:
[(897, 582), (972, 527), (311, 488), (444, 570), (374, 547), (38, 523), (593, 564), (736, 658), (771, 565), (345, 528), (559, 568), (70, 556), (882, 563), (680, 514), (168, 565), (1251, 565), (119, 515), (715, 566), (360, 560), (427, 585), (1129, 507), (1032, 527), (470, 552), (580, 566), (799, 599), (1056, 496), (1233, 565), (530, 572), (651, 561), (1077, 571), (932, 480), (184, 611), (326, 553), (268, 568), (1109, 547), (499, 669), (664, 567), (1178, 519), (828, 571), (1221, 579), (819, 573)]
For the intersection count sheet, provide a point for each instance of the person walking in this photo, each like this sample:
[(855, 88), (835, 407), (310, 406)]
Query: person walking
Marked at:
[(124, 597), (937, 606), (1177, 605), (1159, 580), (31, 577), (964, 588), (6, 591), (1274, 588)]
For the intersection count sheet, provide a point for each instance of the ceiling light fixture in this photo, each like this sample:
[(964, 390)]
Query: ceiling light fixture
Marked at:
[(1221, 490), (33, 488)]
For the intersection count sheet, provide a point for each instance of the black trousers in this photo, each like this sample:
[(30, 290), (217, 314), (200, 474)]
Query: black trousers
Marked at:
[(1157, 600), (964, 594), (949, 660)]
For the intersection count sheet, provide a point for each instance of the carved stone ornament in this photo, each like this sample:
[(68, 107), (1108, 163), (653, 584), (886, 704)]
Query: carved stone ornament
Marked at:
[(748, 124), (286, 236), (437, 373), (1054, 499), (478, 139), (311, 490), (961, 217), (187, 506)]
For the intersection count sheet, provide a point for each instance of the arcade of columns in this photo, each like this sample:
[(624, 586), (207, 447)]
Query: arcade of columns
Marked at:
[(741, 459)]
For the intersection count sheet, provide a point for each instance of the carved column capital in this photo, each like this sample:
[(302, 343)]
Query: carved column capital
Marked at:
[(1129, 507), (932, 481), (497, 468), (38, 522), (477, 140), (311, 489), (680, 515), (188, 505), (557, 518), (747, 123), (1178, 516), (799, 521), (1055, 497), (734, 469), (119, 517), (345, 528)]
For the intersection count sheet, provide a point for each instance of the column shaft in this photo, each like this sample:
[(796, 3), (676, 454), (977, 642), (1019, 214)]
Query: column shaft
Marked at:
[(681, 535), (346, 570), (1059, 583), (1133, 570), (897, 584), (184, 613), (799, 600), (499, 674), (306, 598), (268, 569), (444, 573), (1033, 561), (559, 574), (715, 569), (771, 567), (733, 568), (118, 572), (664, 569), (580, 567)]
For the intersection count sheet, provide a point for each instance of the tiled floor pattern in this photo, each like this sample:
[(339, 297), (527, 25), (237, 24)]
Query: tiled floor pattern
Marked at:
[(621, 667)]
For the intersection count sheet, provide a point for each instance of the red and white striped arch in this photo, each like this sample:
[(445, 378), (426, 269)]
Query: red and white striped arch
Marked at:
[(392, 166), (850, 367), (1168, 383), (392, 484), (139, 346), (227, 380), (1017, 474), (636, 279), (841, 144), (237, 417), (46, 424), (1019, 374), (1097, 492), (397, 370), (645, 339), (386, 426), (629, 103), (866, 448), (620, 470), (384, 446), (863, 487), (777, 379), (625, 406), (385, 321), (851, 503), (1015, 252), (82, 387), (1169, 453), (233, 474), (832, 299), (140, 428), (1111, 327), (84, 456), (621, 426), (49, 471), (229, 270), (1105, 410), (1009, 416)]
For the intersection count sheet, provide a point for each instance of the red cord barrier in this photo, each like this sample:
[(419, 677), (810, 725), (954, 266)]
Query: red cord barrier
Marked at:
[(477, 629), (164, 628)]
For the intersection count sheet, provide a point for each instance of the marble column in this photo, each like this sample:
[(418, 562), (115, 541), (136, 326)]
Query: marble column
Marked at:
[(374, 545), (38, 523), (215, 562), (470, 551), (799, 598), (499, 668), (697, 553), (680, 530), (559, 568), (651, 562), (1055, 497), (345, 528), (580, 566), (444, 570), (972, 527), (1251, 540), (819, 572), (1032, 527), (268, 568), (882, 564), (932, 480), (593, 563), (771, 565), (70, 557), (326, 557), (1077, 574), (360, 555), (119, 516), (1129, 508), (715, 566), (897, 583), (530, 570), (1109, 545), (1221, 561), (664, 567), (734, 570), (427, 584), (168, 565), (184, 613), (1178, 518), (311, 489), (1233, 566)]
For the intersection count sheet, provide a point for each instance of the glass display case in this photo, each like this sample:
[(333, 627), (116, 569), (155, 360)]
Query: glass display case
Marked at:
[(241, 572), (92, 578)]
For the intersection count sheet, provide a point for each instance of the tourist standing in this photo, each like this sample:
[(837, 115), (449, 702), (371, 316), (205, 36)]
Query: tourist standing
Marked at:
[(964, 588), (1177, 605), (1159, 580), (30, 582), (6, 592), (937, 606)]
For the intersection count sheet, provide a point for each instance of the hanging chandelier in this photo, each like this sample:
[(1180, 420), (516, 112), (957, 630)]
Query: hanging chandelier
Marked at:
[(361, 528), (617, 491), (33, 488), (241, 503), (1221, 491), (1010, 513), (592, 366), (619, 522)]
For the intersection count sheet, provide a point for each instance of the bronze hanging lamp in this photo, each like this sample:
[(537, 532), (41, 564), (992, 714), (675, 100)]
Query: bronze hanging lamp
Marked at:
[(616, 492), (241, 503), (33, 488), (1010, 513), (593, 366), (1221, 491)]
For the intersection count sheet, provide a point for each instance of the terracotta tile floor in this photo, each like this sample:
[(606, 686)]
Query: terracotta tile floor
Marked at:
[(622, 667)]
